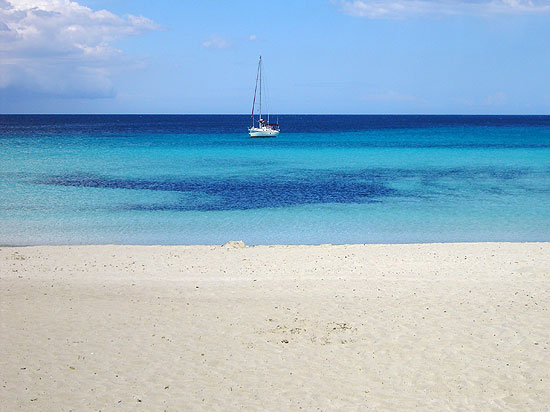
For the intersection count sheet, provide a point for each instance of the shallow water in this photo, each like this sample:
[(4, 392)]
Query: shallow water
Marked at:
[(201, 179)]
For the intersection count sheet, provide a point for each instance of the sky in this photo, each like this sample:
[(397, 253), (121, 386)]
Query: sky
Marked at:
[(320, 56)]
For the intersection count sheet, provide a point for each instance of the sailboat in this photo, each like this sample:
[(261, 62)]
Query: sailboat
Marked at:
[(264, 129)]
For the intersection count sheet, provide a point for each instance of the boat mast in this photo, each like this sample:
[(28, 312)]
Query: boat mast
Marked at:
[(255, 90), (260, 69)]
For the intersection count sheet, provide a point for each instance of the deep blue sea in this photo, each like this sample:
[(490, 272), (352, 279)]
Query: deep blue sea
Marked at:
[(193, 179)]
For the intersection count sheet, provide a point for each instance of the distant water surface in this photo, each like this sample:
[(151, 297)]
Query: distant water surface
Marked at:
[(145, 179)]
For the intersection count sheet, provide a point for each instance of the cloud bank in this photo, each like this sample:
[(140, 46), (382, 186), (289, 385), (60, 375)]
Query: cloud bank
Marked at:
[(396, 9), (61, 48)]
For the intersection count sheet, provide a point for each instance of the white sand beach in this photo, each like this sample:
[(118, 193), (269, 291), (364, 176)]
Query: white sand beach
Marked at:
[(429, 327)]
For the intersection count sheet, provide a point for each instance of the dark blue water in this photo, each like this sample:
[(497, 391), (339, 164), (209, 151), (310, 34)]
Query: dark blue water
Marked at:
[(221, 124), (337, 179)]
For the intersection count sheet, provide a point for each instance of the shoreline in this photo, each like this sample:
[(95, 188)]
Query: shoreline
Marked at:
[(272, 244), (427, 326)]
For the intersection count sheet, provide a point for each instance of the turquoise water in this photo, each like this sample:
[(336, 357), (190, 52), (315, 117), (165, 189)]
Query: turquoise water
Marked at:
[(352, 179)]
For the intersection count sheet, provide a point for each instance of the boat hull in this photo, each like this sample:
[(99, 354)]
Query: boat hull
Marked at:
[(263, 133)]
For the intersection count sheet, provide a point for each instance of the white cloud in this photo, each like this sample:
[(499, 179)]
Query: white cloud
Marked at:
[(395, 9), (61, 48), (252, 37), (216, 42)]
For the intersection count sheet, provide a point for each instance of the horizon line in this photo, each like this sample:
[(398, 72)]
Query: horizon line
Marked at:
[(275, 114)]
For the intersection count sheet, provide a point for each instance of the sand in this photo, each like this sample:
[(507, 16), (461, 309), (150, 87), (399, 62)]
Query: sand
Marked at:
[(430, 327)]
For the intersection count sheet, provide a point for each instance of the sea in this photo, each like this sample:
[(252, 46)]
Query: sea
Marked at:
[(200, 179)]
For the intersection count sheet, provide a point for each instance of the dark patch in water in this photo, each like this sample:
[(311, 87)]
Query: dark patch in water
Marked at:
[(303, 187), (241, 194)]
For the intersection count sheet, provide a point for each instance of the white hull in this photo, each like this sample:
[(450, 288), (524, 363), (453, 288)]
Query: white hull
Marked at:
[(262, 132)]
